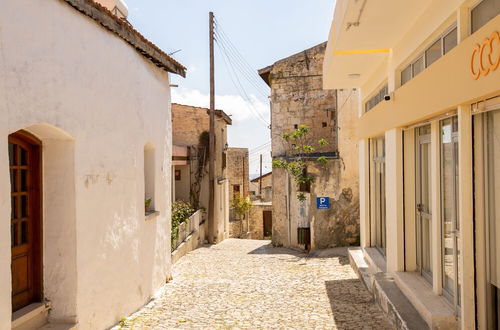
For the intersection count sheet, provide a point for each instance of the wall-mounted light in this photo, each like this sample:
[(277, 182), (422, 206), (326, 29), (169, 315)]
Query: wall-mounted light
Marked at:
[(226, 147)]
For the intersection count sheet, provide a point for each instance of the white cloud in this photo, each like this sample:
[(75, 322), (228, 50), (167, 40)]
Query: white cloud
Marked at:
[(235, 105)]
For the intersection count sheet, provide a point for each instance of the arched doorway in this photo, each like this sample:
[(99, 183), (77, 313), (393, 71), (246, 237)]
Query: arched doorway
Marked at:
[(26, 222)]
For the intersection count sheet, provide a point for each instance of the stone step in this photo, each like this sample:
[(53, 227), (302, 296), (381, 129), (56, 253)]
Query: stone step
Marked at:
[(59, 326), (387, 294)]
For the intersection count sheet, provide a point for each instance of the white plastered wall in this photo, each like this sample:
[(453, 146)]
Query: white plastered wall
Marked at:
[(61, 68)]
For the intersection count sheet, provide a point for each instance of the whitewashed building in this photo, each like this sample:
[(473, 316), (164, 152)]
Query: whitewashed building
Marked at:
[(85, 139)]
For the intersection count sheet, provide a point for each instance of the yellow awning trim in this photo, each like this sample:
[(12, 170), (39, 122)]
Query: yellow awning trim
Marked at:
[(362, 51)]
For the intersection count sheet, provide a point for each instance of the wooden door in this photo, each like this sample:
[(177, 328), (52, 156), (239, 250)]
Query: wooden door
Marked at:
[(24, 165), (268, 223)]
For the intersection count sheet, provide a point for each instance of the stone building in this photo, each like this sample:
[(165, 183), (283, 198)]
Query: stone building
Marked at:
[(84, 139), (298, 98), (238, 177), (190, 137), (237, 172), (266, 194)]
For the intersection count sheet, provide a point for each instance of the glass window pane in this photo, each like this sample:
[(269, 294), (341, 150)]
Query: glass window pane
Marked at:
[(406, 75), (483, 13), (450, 40), (13, 187), (493, 182), (23, 156), (449, 196), (12, 153), (433, 53), (24, 206), (418, 66)]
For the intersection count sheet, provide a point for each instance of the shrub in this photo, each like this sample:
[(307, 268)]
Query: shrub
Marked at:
[(181, 211), (241, 205)]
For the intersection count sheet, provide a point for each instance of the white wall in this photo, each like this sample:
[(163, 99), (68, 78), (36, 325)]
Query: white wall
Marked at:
[(102, 260)]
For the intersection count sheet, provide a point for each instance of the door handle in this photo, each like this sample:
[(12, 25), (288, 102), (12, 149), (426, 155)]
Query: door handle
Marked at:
[(420, 207)]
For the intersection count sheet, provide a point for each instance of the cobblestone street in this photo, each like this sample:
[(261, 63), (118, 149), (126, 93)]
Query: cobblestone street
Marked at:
[(249, 284)]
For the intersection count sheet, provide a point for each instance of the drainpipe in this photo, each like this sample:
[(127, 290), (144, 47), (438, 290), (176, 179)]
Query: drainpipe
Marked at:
[(288, 209)]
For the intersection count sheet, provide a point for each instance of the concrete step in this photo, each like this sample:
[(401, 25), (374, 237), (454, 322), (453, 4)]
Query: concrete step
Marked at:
[(387, 294), (395, 304), (59, 326)]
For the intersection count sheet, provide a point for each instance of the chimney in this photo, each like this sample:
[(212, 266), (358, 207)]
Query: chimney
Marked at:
[(117, 7)]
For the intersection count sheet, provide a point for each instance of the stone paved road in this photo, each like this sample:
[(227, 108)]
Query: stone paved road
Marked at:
[(248, 284)]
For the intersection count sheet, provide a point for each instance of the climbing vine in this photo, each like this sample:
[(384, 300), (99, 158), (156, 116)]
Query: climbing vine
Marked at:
[(198, 166), (299, 149)]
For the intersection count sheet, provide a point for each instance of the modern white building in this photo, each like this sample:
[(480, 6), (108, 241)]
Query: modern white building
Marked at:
[(429, 138), (85, 139)]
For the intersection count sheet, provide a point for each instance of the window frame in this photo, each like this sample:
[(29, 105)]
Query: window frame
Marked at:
[(422, 55)]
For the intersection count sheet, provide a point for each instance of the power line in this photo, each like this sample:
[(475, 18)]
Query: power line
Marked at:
[(241, 89), (240, 66), (241, 58)]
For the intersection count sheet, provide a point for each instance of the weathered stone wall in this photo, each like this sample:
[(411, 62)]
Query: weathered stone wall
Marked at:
[(267, 187), (237, 170), (298, 98), (256, 220), (188, 124)]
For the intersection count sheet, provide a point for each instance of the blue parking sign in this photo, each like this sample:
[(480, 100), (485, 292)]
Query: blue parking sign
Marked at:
[(322, 203)]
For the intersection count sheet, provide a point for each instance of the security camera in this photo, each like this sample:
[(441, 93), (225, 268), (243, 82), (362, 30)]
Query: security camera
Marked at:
[(389, 97)]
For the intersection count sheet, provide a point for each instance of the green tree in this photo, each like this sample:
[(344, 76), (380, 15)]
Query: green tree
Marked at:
[(299, 149)]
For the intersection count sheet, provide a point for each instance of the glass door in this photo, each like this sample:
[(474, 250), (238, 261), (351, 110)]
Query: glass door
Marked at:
[(423, 201), (449, 211), (491, 149), (377, 187)]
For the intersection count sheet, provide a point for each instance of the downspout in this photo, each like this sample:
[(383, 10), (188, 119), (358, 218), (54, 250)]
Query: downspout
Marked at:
[(288, 209)]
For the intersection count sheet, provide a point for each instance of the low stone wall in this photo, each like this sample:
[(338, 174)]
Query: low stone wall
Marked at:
[(191, 236), (238, 228), (256, 222)]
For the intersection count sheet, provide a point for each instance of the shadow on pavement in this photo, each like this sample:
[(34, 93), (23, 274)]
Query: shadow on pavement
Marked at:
[(352, 306), (340, 253)]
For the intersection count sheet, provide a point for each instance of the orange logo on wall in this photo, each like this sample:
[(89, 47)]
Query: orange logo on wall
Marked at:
[(486, 56)]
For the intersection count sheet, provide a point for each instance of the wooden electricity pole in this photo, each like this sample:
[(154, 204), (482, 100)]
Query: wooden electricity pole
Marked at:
[(260, 180), (211, 143)]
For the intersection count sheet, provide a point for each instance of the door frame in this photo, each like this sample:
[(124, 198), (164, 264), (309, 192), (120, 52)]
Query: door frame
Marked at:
[(35, 205), (421, 215)]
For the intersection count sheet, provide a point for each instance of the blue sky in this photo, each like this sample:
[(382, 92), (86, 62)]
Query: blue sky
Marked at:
[(262, 32)]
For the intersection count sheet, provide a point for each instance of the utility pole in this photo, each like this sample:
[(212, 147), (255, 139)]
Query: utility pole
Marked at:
[(260, 180), (211, 143)]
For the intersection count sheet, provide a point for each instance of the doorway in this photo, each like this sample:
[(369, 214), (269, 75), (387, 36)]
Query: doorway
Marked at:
[(423, 199), (25, 222), (267, 216), (450, 225)]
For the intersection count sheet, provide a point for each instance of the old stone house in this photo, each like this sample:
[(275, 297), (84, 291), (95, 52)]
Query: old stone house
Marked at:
[(267, 187), (237, 172), (84, 140), (238, 177), (190, 178), (298, 98)]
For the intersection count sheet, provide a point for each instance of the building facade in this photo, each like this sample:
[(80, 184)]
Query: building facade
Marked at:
[(237, 173), (262, 191), (190, 132), (84, 134), (298, 98), (428, 123), (238, 177)]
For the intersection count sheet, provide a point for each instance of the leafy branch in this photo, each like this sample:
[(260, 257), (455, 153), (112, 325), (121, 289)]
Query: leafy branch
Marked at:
[(299, 148)]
